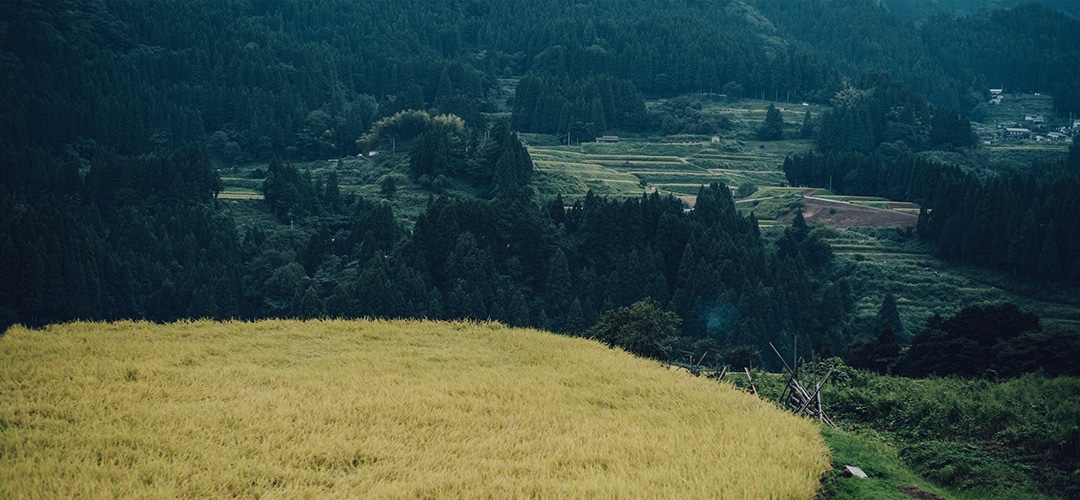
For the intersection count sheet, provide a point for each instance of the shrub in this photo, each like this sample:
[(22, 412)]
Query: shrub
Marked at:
[(639, 329)]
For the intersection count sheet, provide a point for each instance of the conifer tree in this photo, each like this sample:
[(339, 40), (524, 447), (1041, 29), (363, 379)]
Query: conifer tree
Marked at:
[(311, 306), (807, 130), (773, 128), (888, 313), (1049, 264)]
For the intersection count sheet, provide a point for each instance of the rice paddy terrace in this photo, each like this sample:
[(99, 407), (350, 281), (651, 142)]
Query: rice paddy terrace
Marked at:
[(377, 409), (627, 169)]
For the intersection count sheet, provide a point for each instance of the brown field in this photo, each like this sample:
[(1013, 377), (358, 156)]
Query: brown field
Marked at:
[(841, 214)]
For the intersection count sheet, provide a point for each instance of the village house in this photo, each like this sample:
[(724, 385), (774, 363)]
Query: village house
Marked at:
[(1017, 133)]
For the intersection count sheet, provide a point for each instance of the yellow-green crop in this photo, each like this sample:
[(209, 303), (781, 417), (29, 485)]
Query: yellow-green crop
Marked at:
[(377, 409)]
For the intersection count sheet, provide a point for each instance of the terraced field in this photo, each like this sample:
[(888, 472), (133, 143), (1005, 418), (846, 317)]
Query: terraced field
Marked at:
[(887, 260), (237, 187), (628, 169), (572, 173)]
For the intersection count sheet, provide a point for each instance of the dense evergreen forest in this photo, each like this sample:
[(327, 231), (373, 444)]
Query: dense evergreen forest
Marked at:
[(257, 78), (114, 114)]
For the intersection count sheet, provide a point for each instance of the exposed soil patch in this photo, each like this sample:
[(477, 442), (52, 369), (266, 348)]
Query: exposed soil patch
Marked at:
[(841, 214), (915, 492)]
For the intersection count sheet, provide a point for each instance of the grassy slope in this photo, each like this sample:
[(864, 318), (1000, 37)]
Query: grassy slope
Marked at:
[(886, 260), (381, 408)]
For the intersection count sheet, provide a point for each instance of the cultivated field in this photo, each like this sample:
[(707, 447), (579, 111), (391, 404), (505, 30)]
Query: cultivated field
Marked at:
[(377, 409), (885, 260), (851, 211), (680, 168)]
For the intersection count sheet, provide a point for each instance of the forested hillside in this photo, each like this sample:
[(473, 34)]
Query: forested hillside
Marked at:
[(258, 78), (951, 58), (117, 120)]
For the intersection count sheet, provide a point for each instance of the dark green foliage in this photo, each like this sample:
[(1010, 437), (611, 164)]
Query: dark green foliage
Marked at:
[(877, 355), (180, 176), (1026, 48), (773, 128), (310, 305), (809, 127), (388, 186), (685, 115), (1052, 350), (303, 82), (288, 194), (963, 466), (950, 128), (640, 329), (143, 241), (889, 314), (585, 108), (1020, 433), (746, 190), (878, 110), (498, 163), (741, 356), (1072, 162), (973, 343)]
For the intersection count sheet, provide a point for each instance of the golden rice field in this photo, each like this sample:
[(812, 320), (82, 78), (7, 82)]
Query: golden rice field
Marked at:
[(377, 409)]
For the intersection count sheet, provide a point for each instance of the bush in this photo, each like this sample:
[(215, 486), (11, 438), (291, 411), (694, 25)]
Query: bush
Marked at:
[(639, 329), (970, 433), (964, 466)]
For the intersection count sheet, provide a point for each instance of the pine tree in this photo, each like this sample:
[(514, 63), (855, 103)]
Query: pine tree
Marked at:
[(807, 130), (1049, 259), (773, 128), (575, 319), (518, 314), (558, 287), (311, 306), (888, 313), (1072, 162), (799, 229)]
